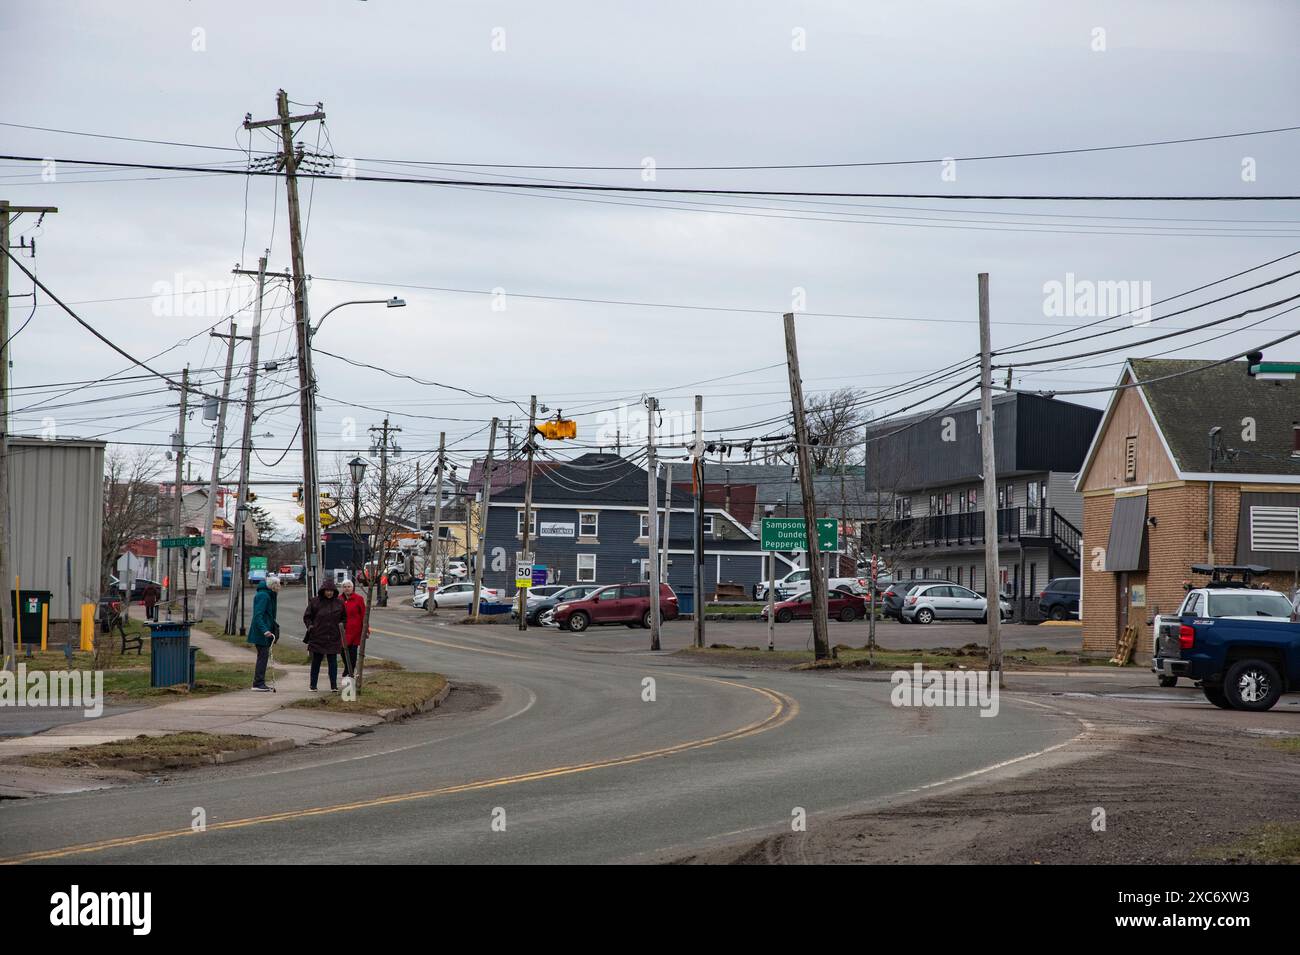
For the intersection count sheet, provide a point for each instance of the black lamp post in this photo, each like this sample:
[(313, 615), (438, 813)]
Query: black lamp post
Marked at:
[(357, 468)]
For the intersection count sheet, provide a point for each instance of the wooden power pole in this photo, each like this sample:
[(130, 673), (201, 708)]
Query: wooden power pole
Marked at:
[(214, 485), (652, 525), (481, 551), (992, 585), (697, 464), (8, 623), (821, 645), (434, 570), (178, 492), (289, 159), (238, 581), (528, 507)]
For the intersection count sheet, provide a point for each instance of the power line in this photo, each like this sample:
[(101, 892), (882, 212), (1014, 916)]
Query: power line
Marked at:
[(664, 190)]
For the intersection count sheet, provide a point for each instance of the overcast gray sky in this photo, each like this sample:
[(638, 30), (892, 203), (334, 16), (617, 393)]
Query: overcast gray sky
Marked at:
[(720, 83)]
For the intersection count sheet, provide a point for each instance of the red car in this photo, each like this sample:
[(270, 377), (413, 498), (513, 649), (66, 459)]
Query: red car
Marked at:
[(618, 603), (842, 605)]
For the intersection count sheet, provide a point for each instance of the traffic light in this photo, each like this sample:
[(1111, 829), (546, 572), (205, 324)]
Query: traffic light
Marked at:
[(1253, 360), (558, 429)]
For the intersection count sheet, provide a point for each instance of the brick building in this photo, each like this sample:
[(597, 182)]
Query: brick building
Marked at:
[(1203, 467)]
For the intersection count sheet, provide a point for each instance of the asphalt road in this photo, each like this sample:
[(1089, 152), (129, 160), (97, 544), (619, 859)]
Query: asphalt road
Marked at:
[(550, 735)]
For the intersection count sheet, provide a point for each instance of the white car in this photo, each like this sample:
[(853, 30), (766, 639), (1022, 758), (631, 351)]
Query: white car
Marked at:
[(459, 595)]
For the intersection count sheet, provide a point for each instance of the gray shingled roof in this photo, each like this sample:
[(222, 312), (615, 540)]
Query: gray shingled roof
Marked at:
[(1187, 407)]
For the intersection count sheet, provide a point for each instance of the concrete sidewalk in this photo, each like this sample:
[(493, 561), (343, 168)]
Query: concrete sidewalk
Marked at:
[(242, 712)]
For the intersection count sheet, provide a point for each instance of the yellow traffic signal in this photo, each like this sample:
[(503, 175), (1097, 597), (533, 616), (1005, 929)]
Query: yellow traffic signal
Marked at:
[(558, 429)]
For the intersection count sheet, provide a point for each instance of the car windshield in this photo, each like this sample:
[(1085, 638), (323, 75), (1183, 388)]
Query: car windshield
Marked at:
[(1261, 604)]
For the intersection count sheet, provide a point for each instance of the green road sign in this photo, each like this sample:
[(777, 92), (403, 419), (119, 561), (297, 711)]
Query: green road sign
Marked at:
[(173, 542), (257, 568), (791, 533)]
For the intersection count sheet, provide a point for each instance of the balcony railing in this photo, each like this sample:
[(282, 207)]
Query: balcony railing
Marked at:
[(967, 528)]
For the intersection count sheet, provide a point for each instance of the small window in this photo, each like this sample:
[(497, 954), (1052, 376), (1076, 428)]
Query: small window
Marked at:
[(645, 525), (1130, 459), (588, 524), (519, 524), (708, 525), (587, 568)]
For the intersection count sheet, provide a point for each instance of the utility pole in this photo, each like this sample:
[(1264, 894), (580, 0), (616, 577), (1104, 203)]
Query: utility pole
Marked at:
[(215, 483), (245, 454), (483, 518), (668, 519), (289, 160), (697, 465), (875, 543), (528, 505), (436, 548), (7, 624), (992, 587), (178, 490), (652, 524), (821, 646)]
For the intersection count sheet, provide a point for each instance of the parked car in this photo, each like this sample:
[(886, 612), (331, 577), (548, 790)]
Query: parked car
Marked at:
[(618, 603), (1221, 601), (800, 581), (458, 595), (292, 573), (840, 605), (1060, 600), (539, 609), (1241, 645), (929, 602), (891, 599), (457, 569)]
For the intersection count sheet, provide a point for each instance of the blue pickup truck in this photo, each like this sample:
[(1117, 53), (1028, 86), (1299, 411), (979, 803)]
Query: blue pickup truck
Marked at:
[(1241, 643)]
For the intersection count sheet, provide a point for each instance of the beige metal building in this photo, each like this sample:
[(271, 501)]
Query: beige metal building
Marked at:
[(56, 511)]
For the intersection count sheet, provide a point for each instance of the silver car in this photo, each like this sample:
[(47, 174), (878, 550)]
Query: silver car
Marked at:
[(926, 603)]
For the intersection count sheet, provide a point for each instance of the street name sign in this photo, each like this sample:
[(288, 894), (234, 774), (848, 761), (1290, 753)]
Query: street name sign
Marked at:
[(791, 533)]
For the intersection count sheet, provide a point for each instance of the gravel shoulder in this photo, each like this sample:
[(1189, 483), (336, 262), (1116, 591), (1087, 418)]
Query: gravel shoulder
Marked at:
[(1181, 792)]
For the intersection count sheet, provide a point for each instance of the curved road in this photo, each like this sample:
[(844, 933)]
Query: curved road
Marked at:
[(549, 735)]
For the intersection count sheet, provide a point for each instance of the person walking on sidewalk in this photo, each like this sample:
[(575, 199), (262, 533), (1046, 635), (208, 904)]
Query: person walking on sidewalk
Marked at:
[(151, 597), (264, 630), (354, 605), (325, 617)]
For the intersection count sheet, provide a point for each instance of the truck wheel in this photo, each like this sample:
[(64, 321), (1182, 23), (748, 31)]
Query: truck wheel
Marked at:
[(1252, 685), (1169, 681), (1216, 696)]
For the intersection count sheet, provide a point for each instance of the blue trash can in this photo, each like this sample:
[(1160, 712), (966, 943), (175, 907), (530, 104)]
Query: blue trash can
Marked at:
[(225, 577), (171, 661), (686, 598)]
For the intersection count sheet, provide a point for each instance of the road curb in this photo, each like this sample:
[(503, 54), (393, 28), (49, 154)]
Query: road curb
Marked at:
[(226, 757), (397, 713)]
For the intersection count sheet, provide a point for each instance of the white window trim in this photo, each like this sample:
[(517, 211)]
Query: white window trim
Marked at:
[(579, 569), (643, 531), (708, 525), (519, 524), (595, 521)]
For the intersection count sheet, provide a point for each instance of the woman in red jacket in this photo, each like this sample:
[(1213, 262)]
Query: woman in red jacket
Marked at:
[(354, 605)]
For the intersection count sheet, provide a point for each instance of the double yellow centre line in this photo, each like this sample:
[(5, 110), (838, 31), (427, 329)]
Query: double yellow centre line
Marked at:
[(784, 709)]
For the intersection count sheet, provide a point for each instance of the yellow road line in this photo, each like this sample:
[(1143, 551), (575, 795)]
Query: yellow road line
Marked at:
[(784, 709)]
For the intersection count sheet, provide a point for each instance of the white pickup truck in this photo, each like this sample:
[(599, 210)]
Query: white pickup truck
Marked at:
[(1224, 598), (798, 581)]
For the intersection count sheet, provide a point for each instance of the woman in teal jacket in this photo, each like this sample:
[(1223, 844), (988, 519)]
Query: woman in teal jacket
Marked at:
[(263, 630)]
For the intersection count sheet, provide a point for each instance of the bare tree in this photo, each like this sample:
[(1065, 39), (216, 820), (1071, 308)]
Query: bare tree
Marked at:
[(835, 419), (130, 504)]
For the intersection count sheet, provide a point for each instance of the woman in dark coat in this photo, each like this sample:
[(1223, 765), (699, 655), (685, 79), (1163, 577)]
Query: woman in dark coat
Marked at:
[(325, 619)]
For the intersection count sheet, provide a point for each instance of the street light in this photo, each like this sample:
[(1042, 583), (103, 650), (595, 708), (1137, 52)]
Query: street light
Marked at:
[(393, 302), (311, 523), (357, 468)]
